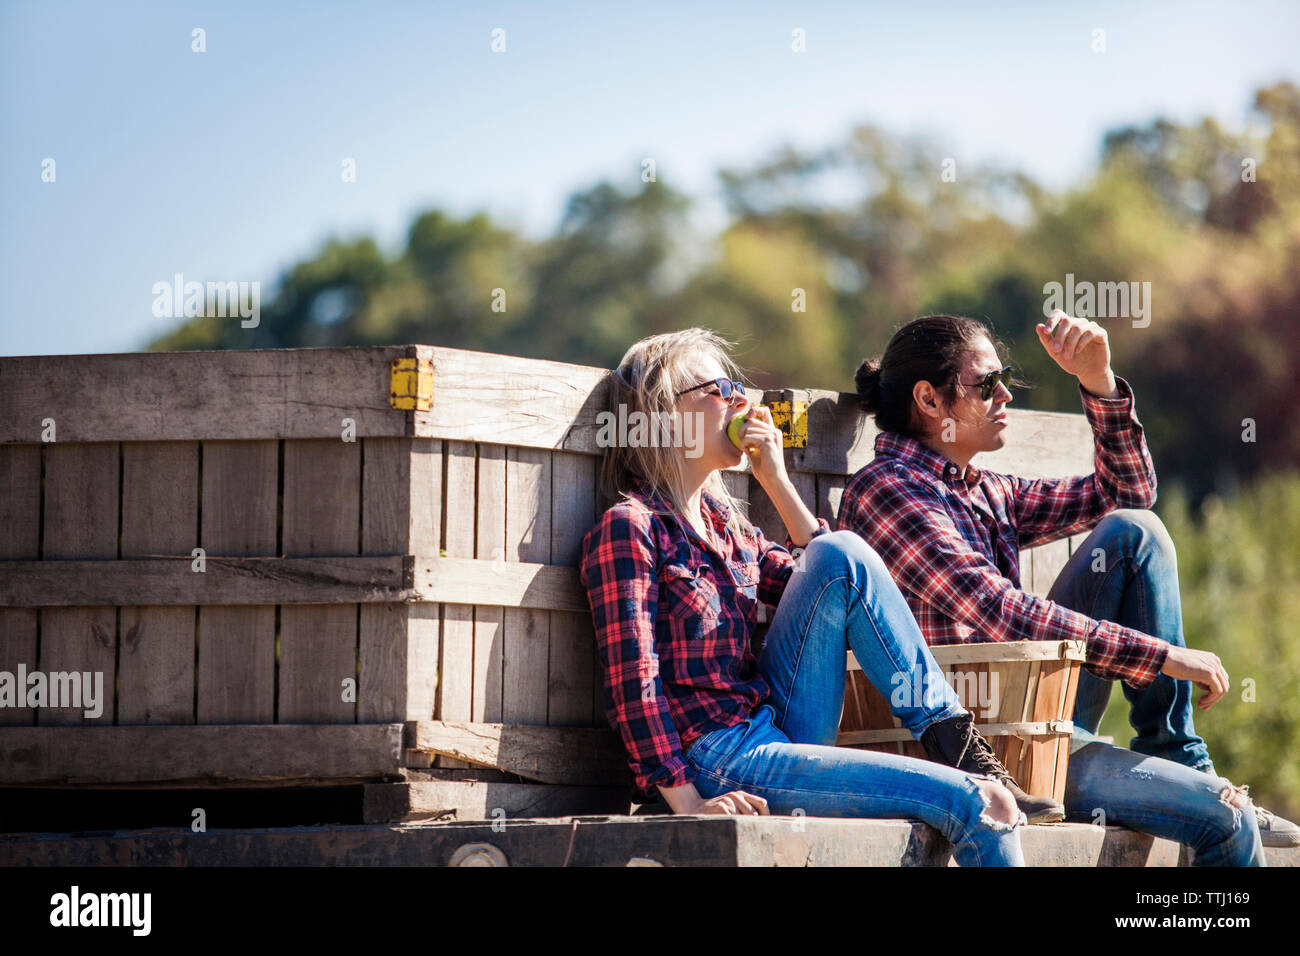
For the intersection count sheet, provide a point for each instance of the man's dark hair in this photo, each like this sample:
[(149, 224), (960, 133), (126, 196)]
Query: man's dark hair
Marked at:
[(928, 349)]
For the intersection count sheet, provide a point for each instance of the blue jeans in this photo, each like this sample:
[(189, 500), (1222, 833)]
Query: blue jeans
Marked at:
[(1135, 584), (1166, 784), (843, 597)]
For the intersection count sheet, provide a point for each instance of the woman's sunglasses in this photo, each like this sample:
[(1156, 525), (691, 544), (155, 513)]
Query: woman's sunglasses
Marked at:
[(733, 393), (989, 383)]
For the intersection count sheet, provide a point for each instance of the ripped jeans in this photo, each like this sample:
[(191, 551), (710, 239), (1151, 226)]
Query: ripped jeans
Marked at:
[(839, 597), (1166, 785)]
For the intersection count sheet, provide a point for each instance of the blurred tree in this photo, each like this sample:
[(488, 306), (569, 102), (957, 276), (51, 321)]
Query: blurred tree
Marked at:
[(864, 235)]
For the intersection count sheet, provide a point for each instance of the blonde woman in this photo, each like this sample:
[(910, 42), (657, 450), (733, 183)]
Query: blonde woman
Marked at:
[(674, 574)]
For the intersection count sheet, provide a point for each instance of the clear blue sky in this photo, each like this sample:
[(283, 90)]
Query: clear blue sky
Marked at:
[(225, 165)]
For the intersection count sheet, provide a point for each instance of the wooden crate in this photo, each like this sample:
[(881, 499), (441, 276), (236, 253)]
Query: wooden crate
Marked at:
[(403, 518), (1021, 694)]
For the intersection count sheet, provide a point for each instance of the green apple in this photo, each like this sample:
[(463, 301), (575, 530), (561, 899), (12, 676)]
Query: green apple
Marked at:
[(734, 426)]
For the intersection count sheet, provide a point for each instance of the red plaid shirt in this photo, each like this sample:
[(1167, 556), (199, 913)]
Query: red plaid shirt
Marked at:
[(952, 541), (674, 621)]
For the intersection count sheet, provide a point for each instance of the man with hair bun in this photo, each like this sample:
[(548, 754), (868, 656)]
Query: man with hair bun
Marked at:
[(951, 534)]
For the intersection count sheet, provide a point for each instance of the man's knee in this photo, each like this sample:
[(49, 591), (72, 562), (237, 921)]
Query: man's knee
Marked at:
[(1233, 796), (1232, 824), (1136, 528)]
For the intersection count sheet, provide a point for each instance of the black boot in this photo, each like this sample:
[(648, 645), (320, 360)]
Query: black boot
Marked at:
[(957, 743)]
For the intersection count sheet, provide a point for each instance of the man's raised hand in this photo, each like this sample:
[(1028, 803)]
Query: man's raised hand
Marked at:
[(1082, 348)]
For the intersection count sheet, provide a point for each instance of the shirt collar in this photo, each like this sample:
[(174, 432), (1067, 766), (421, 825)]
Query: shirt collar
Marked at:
[(715, 510), (926, 459)]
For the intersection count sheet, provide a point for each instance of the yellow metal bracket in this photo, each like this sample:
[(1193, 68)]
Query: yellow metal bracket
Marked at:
[(411, 384), (792, 419)]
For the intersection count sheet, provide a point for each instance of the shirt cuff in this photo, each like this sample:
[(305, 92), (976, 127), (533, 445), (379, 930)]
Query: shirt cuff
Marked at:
[(823, 527), (674, 772), (1109, 410), (1140, 658)]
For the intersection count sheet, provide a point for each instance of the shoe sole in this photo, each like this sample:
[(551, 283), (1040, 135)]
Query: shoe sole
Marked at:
[(1046, 816), (1280, 842)]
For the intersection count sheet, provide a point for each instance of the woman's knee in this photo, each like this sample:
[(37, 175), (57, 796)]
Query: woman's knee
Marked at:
[(847, 548), (1000, 809)]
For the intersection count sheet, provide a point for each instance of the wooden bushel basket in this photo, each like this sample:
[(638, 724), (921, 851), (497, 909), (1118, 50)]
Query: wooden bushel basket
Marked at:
[(1022, 696)]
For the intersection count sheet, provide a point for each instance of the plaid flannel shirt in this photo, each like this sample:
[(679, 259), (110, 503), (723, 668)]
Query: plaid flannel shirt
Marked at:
[(674, 620), (952, 540)]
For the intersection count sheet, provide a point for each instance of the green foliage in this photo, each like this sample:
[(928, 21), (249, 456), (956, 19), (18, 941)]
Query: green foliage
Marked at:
[(1239, 572)]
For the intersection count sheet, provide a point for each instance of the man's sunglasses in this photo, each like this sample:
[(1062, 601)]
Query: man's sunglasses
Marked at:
[(989, 383), (731, 392)]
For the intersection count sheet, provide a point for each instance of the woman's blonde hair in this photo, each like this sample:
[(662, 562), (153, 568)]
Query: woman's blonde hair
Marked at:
[(647, 380)]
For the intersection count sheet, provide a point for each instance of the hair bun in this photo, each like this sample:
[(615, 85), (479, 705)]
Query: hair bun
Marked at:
[(867, 379)]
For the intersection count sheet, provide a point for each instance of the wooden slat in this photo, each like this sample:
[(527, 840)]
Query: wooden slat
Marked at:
[(490, 548), (304, 393), (20, 501), (1013, 681), (171, 581), (485, 800), (32, 756), (1049, 705), (236, 665), (765, 516), (241, 485), (386, 495), (1024, 728), (574, 755), (456, 673), (160, 515), (20, 517), (1013, 755), (1031, 689), (385, 658), (573, 512), (81, 499), (499, 584), (81, 521), (423, 634), (401, 496), (241, 489), (806, 484), (1067, 709), (401, 513), (526, 632), (737, 484), (830, 489), (480, 397), (950, 654), (1022, 650), (318, 644), (184, 396), (1049, 559), (17, 648), (1039, 444), (968, 685)]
